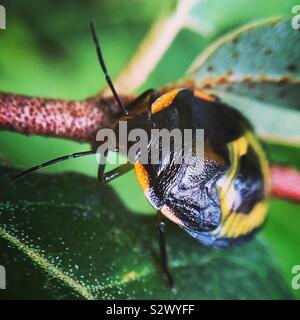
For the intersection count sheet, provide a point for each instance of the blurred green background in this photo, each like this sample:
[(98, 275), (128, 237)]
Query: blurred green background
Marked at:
[(47, 51)]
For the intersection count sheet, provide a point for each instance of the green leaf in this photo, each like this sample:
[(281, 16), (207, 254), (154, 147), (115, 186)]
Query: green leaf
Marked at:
[(288, 156), (282, 228), (67, 236), (210, 17), (282, 234), (257, 70)]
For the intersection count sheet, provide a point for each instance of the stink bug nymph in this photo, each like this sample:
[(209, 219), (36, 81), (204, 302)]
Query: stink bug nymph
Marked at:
[(220, 205)]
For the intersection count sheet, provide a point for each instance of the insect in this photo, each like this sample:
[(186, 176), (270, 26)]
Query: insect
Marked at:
[(222, 203)]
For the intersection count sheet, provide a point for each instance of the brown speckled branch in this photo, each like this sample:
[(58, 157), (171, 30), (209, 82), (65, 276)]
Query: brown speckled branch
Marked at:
[(70, 119)]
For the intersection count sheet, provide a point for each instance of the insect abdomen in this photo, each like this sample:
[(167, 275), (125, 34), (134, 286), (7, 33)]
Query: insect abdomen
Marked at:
[(242, 191)]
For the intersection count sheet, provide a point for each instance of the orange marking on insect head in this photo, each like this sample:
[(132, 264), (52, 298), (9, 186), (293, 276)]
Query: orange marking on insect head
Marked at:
[(204, 96), (141, 175), (164, 101)]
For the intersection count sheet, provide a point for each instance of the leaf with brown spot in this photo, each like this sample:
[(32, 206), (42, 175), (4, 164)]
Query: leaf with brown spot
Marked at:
[(264, 82)]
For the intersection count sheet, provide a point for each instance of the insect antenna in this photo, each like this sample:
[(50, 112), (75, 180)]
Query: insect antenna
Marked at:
[(52, 162), (104, 69), (84, 153)]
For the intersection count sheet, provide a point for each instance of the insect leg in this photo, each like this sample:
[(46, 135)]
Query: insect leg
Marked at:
[(101, 167), (161, 230), (115, 173), (52, 162)]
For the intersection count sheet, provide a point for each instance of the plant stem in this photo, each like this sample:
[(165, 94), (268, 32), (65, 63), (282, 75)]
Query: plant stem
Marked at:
[(70, 119), (285, 183)]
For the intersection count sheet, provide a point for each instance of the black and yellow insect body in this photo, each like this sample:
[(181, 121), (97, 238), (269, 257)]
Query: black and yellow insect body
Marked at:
[(223, 202), (220, 200)]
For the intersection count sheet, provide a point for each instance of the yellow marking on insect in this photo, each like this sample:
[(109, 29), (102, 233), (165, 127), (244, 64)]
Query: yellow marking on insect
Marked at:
[(226, 226), (237, 149), (262, 159), (239, 224), (236, 224)]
